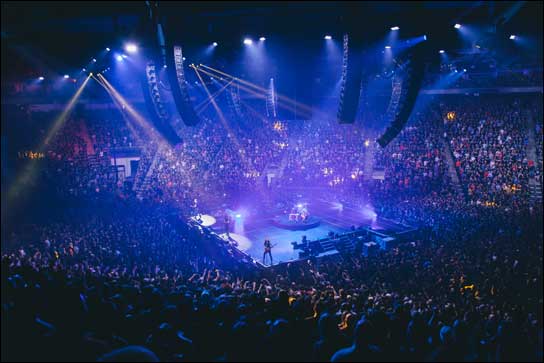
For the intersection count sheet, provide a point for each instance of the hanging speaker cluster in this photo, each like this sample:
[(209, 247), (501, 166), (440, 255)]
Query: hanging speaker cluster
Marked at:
[(178, 84), (234, 101), (155, 105), (412, 72), (352, 73)]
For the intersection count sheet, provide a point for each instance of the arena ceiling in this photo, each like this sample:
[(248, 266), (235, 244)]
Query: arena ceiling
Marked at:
[(68, 33)]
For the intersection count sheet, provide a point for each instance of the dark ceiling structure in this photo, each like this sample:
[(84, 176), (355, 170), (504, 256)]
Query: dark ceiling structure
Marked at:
[(67, 34)]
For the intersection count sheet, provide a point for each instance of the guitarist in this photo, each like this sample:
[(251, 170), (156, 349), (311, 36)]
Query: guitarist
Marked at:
[(268, 251), (227, 225)]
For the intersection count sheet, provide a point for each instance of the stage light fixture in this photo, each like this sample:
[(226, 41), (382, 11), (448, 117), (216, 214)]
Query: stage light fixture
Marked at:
[(457, 26), (124, 56), (41, 78), (464, 69), (215, 44), (107, 49), (119, 58), (131, 48), (248, 41), (367, 143), (328, 37), (387, 47), (441, 51), (184, 58), (512, 37), (395, 28), (262, 39), (66, 76), (165, 66), (84, 70), (94, 60), (424, 37)]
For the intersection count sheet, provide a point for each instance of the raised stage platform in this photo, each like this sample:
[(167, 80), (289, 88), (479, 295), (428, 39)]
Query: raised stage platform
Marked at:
[(250, 231)]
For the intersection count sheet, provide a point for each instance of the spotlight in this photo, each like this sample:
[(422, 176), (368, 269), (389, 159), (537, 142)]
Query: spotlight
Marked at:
[(131, 48), (328, 37), (66, 76), (238, 215), (41, 78), (367, 142), (84, 70), (215, 44), (512, 37), (119, 58), (124, 55), (183, 58), (107, 49), (164, 66), (424, 37), (262, 39), (464, 69), (248, 41), (457, 26), (395, 28), (94, 60), (441, 51), (387, 47)]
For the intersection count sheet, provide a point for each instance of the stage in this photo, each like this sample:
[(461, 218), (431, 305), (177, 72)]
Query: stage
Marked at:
[(252, 229)]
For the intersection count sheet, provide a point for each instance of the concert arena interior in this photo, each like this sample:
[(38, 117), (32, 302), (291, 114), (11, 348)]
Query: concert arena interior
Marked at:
[(226, 181)]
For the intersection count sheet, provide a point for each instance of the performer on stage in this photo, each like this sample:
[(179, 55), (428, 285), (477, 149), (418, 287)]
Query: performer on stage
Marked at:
[(227, 225), (268, 251)]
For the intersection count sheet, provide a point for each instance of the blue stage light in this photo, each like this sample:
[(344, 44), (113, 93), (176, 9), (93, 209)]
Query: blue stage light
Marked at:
[(131, 48)]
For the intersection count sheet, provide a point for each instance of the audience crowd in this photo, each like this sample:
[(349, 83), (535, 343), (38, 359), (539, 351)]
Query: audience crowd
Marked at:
[(118, 274)]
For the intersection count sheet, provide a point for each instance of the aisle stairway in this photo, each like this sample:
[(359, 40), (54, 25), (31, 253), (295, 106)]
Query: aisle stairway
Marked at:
[(84, 134), (452, 170), (535, 188), (368, 167), (147, 178)]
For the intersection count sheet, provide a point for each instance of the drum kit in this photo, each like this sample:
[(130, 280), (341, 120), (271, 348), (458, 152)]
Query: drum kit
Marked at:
[(299, 214)]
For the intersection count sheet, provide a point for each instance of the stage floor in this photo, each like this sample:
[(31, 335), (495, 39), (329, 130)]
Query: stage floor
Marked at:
[(255, 230)]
